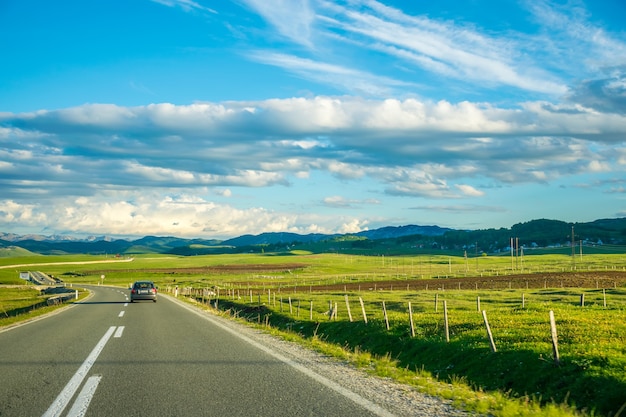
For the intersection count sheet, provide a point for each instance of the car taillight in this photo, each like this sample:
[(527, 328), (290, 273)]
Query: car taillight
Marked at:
[(154, 290), (133, 291)]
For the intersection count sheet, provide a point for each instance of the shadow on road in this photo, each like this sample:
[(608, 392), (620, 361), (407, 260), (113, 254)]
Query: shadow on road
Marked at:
[(101, 302)]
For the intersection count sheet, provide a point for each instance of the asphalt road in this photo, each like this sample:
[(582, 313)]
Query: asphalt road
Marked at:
[(108, 357)]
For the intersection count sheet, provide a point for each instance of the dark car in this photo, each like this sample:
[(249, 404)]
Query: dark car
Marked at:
[(143, 290)]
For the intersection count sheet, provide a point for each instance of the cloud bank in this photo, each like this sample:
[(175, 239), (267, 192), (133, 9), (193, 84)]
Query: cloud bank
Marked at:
[(400, 147)]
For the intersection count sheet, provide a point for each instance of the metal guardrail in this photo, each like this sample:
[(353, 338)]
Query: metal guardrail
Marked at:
[(55, 299)]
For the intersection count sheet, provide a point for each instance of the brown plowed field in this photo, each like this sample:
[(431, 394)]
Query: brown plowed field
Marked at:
[(214, 269), (603, 279)]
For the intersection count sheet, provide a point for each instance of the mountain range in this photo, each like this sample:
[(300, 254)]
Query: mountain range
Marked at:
[(530, 234)]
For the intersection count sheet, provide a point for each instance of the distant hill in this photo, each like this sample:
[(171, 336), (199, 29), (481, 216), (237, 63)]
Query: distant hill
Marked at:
[(399, 231), (148, 244), (387, 232), (402, 239), (15, 252), (275, 238)]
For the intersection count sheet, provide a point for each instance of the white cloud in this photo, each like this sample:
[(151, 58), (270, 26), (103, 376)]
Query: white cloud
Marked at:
[(595, 48), (598, 166), (150, 214), (224, 193), (621, 155), (343, 78), (457, 51), (469, 208), (186, 5), (445, 49), (406, 182), (354, 226), (257, 144), (292, 18), (399, 148), (468, 190), (337, 201), (12, 212)]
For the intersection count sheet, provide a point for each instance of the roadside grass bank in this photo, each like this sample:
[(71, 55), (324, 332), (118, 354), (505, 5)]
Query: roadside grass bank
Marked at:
[(520, 378), (21, 303)]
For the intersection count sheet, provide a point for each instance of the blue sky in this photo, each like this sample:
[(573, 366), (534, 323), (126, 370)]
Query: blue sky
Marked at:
[(215, 119)]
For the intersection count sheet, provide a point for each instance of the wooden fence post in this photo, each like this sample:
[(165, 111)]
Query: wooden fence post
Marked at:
[(478, 304), (348, 308), (363, 309), (385, 315), (489, 334), (582, 299), (436, 301), (555, 343), (445, 320), (311, 311), (411, 320)]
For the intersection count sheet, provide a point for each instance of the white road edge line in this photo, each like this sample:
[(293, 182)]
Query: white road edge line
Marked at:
[(84, 397), (119, 331), (363, 402), (59, 404)]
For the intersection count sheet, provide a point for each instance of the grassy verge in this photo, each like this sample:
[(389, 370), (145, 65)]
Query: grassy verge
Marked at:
[(520, 378), (21, 303)]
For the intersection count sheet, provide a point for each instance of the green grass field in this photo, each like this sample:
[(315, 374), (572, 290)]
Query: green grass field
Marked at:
[(520, 378)]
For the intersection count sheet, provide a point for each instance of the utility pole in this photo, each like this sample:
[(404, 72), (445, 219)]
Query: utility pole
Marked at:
[(581, 250), (512, 259), (573, 249), (516, 252)]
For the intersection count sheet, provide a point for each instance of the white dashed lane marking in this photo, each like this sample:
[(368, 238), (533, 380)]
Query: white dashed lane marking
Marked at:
[(84, 398), (119, 331), (63, 399)]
